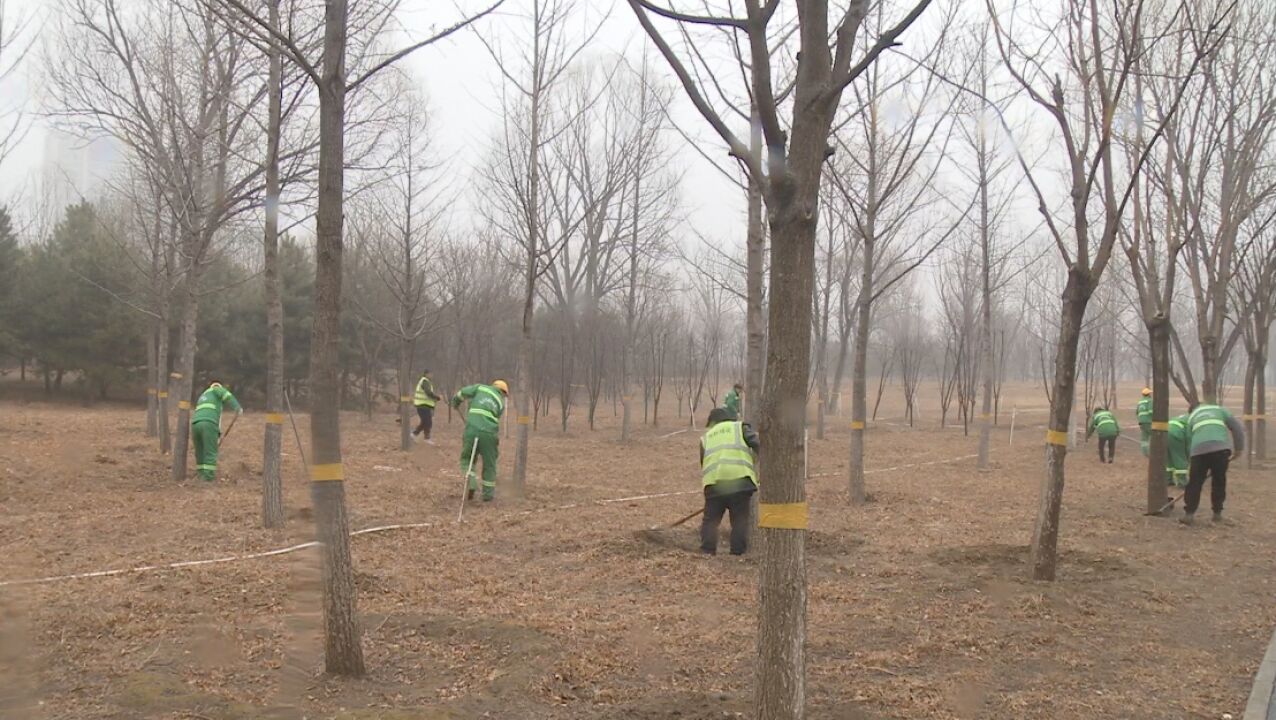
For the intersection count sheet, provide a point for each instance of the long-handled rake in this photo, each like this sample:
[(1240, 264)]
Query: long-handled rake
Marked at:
[(465, 481)]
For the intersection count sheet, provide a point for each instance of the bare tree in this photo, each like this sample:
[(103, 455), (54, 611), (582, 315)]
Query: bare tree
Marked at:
[(343, 652), (1100, 47), (789, 170), (885, 176), (1222, 181), (544, 56)]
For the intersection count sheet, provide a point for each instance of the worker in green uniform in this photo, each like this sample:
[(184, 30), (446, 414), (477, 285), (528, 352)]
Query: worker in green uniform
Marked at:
[(1176, 453), (424, 400), (481, 440), (729, 477), (1144, 413), (732, 401), (206, 428), (1105, 424), (1215, 435)]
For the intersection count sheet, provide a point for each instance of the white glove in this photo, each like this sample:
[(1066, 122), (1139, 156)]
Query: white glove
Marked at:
[(240, 411)]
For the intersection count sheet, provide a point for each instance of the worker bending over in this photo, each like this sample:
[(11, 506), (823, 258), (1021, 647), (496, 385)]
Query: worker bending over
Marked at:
[(482, 433), (731, 403), (730, 477), (1144, 413), (1215, 435), (1105, 424), (206, 428), (424, 400), (1178, 446)]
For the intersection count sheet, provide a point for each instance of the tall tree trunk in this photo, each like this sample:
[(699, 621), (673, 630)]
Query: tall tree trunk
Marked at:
[(1158, 447), (859, 390), (526, 344), (152, 382), (343, 652), (755, 319), (272, 491), (1260, 407), (405, 394), (1247, 405), (781, 684), (163, 384), (985, 315), (1045, 541), (183, 376)]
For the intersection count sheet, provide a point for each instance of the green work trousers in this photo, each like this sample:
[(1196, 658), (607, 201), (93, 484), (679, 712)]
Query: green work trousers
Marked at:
[(1145, 439), (486, 451), (206, 434), (1176, 464)]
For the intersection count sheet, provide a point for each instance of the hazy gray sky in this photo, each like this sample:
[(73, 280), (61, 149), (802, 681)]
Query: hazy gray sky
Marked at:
[(462, 83)]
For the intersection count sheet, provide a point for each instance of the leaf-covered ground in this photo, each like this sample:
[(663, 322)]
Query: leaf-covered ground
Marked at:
[(920, 606)]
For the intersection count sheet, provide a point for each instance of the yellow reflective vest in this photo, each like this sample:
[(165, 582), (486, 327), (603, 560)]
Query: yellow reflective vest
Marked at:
[(726, 455)]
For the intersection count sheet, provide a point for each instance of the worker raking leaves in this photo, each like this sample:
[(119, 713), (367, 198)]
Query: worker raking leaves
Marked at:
[(1144, 413), (1214, 436), (206, 428), (482, 432), (1177, 452), (1105, 424), (729, 476)]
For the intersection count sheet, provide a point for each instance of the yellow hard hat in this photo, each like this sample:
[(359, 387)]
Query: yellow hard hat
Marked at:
[(502, 386), (1147, 391)]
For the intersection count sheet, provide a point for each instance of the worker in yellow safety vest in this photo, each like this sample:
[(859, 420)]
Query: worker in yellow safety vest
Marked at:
[(729, 475), (424, 400)]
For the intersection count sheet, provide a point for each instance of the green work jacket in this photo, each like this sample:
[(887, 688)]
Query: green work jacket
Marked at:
[(487, 404), (209, 406)]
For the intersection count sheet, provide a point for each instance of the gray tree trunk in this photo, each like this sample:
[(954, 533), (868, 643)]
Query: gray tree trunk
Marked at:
[(272, 495), (343, 651), (183, 378)]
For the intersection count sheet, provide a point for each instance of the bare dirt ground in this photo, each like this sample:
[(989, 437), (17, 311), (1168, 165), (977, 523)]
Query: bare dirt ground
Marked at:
[(920, 606)]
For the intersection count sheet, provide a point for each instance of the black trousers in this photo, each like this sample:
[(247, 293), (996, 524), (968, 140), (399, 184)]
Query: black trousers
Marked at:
[(1110, 443), (1215, 465), (715, 506), (426, 414)]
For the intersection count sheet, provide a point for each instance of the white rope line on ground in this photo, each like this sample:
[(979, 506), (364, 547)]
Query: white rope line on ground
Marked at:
[(381, 528), (905, 467), (303, 546)]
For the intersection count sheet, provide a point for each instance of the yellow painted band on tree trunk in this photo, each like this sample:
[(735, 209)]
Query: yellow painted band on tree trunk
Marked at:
[(163, 394), (183, 405), (274, 418), (175, 376), (331, 472), (857, 424), (783, 516), (150, 391), (1057, 437), (405, 398), (985, 416), (524, 420), (1161, 426)]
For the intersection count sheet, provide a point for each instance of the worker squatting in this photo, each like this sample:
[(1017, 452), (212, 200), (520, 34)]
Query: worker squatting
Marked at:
[(1200, 444)]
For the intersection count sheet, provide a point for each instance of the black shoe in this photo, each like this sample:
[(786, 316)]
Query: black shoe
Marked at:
[(1188, 519), (708, 551), (469, 494), (1218, 518), (1110, 460)]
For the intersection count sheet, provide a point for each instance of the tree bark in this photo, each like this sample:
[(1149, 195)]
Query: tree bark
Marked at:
[(755, 319), (1159, 344), (405, 394), (272, 496), (1045, 541), (183, 377), (163, 385), (152, 382), (781, 686), (859, 390), (343, 652)]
